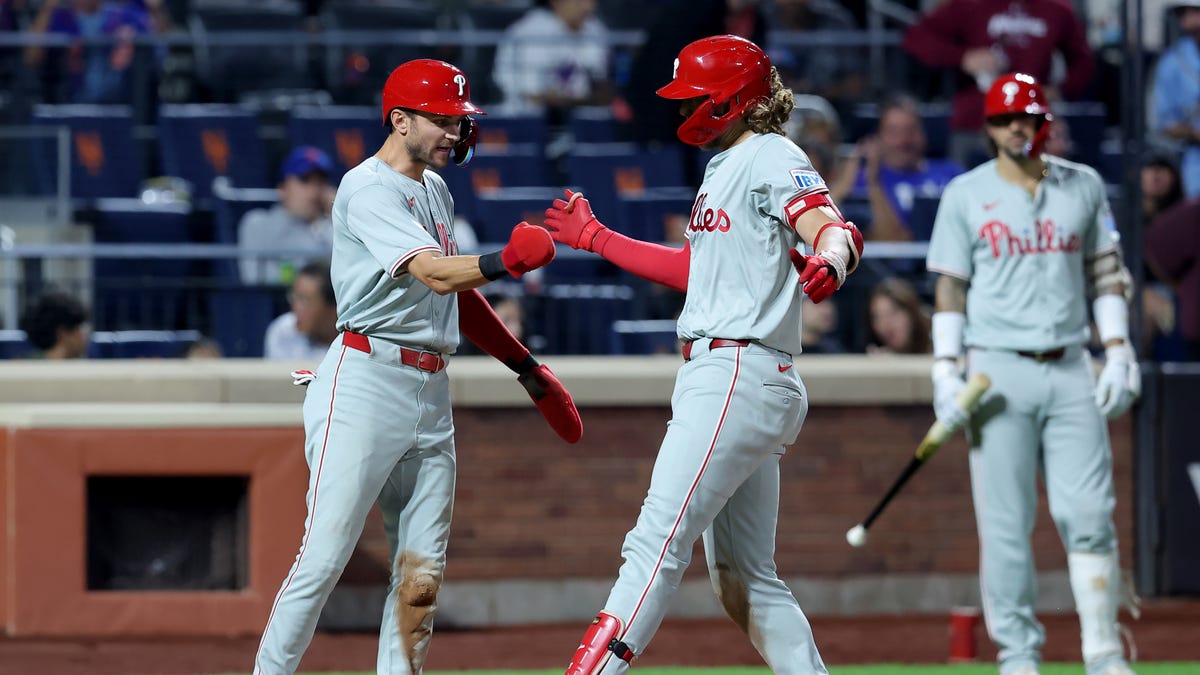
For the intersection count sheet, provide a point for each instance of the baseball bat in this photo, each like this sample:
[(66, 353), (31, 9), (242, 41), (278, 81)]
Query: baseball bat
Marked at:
[(937, 435)]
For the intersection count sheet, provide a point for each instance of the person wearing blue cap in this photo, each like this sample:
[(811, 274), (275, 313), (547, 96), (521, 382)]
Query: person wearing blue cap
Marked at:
[(299, 222)]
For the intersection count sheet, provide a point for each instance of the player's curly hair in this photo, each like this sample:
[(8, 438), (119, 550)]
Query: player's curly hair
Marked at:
[(770, 116)]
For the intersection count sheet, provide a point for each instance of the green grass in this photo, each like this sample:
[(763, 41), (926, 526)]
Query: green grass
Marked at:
[(1192, 668)]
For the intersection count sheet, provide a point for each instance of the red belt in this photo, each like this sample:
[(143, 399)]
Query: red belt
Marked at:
[(1042, 357), (427, 361), (712, 344)]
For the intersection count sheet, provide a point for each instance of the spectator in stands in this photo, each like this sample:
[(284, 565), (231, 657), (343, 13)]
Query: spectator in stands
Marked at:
[(986, 38), (898, 323), (299, 222), (836, 73), (1172, 244), (1161, 190), (1176, 94), (1162, 186), (818, 323), (306, 332), (56, 324), (92, 73), (554, 57), (676, 24), (891, 170)]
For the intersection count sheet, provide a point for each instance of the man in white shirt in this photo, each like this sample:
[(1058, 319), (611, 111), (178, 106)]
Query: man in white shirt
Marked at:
[(556, 55), (299, 222), (305, 332)]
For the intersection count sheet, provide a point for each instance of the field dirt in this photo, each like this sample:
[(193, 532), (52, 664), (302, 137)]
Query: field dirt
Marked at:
[(1167, 631)]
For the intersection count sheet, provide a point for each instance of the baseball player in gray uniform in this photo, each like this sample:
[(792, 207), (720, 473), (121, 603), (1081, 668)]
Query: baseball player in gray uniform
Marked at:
[(377, 416), (738, 401), (1020, 243)]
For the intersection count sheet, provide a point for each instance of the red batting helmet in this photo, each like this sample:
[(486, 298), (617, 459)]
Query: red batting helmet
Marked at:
[(726, 69), (430, 86), (1020, 93)]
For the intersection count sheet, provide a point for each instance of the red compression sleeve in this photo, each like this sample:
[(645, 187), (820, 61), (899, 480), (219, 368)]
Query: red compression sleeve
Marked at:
[(661, 264), (478, 321)]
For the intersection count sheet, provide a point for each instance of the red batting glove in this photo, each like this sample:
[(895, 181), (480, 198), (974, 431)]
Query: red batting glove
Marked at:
[(528, 248), (818, 276), (572, 222), (553, 401)]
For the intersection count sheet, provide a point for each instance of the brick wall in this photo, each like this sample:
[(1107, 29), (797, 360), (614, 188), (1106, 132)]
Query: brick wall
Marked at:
[(530, 506)]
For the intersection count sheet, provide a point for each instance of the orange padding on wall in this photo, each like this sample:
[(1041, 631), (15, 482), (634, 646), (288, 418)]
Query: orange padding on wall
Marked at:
[(43, 576)]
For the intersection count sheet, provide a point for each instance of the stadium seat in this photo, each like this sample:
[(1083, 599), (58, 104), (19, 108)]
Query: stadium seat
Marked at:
[(140, 344), (357, 71), (578, 318), (199, 142), (348, 134), (920, 220), (606, 171), (240, 315), (498, 211), (644, 337), (224, 70), (505, 130), (105, 161), (139, 293), (494, 169), (229, 205), (1087, 121), (592, 124), (13, 344), (653, 214)]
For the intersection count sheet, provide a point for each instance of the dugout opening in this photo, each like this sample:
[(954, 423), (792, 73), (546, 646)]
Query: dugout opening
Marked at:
[(160, 533)]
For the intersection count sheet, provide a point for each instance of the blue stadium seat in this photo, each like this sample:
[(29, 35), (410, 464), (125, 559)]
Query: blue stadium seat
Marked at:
[(199, 142), (1087, 121), (505, 130), (606, 171), (1112, 163), (920, 220), (499, 211), (104, 158), (240, 316), (139, 293), (644, 337), (229, 205), (592, 124), (492, 170), (864, 121), (578, 318), (13, 344), (225, 71), (140, 344), (348, 134), (653, 214)]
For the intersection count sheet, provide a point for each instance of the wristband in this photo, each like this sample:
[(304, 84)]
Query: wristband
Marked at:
[(523, 366), (491, 266), (948, 334), (1112, 317)]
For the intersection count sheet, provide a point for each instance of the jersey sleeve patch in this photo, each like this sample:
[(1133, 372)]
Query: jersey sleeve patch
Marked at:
[(808, 181)]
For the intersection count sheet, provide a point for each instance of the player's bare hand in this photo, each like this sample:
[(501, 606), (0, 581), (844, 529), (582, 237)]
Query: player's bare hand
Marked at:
[(572, 222), (528, 248), (818, 275), (1120, 381), (947, 383)]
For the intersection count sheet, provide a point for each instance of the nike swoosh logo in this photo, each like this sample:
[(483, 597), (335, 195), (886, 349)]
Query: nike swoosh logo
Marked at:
[(989, 207), (784, 369)]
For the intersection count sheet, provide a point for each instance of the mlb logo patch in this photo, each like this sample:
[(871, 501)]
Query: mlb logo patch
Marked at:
[(806, 179)]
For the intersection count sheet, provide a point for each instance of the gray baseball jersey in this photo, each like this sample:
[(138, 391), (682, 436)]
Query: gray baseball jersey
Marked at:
[(741, 284), (1023, 254), (382, 219), (733, 412), (375, 428)]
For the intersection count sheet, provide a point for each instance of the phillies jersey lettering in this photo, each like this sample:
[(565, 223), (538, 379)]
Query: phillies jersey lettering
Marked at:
[(381, 219), (1023, 253), (762, 301)]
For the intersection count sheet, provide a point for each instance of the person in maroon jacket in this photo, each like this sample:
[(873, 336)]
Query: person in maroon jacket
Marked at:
[(1173, 252), (986, 38)]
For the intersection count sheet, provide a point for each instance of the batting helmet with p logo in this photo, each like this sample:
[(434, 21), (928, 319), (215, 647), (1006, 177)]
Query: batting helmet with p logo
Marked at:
[(430, 86)]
